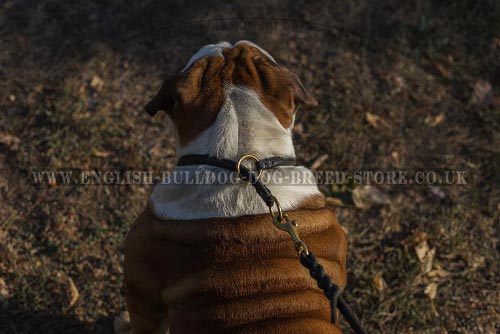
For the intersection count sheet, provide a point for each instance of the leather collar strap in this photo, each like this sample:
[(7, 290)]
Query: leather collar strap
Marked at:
[(245, 173), (262, 164)]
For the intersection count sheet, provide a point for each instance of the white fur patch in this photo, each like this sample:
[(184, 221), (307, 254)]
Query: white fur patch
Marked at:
[(189, 201), (244, 125)]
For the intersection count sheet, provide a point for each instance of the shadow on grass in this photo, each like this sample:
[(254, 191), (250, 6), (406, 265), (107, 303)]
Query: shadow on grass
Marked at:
[(30, 322)]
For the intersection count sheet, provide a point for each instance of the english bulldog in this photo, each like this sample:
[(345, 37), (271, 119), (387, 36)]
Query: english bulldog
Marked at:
[(207, 258)]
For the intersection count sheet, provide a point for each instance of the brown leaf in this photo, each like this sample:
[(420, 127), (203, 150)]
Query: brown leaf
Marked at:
[(74, 293), (444, 72), (4, 290), (121, 323), (419, 236), (477, 262), (482, 95), (96, 83), (435, 121), (395, 157), (10, 141), (376, 121), (319, 161), (425, 255), (52, 182), (334, 201), (431, 290), (438, 273), (101, 154), (379, 283), (299, 130)]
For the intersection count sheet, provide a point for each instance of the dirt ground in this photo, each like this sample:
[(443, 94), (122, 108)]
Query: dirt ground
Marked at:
[(411, 85)]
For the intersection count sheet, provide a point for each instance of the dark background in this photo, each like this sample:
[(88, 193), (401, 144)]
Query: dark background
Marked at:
[(400, 84)]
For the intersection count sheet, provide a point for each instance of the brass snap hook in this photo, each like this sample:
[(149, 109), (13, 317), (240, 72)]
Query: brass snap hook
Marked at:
[(247, 156), (279, 213), (288, 226)]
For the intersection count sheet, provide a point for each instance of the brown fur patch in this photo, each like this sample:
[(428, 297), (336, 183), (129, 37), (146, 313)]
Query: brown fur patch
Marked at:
[(231, 274)]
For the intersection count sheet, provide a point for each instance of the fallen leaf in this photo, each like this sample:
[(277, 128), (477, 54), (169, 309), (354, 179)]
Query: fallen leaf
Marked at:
[(431, 290), (52, 182), (495, 44), (121, 323), (364, 197), (379, 283), (299, 130), (435, 121), (444, 72), (477, 262), (4, 290), (419, 236), (334, 201), (96, 83), (438, 273), (398, 84), (10, 141), (74, 293), (482, 95), (425, 255), (376, 121), (345, 229), (319, 161), (372, 119), (101, 154), (421, 249), (395, 156)]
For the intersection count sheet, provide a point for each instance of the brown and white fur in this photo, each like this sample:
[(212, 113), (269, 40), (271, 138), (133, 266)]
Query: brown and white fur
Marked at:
[(208, 259)]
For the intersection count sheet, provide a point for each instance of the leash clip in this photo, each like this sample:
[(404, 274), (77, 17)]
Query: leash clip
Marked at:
[(289, 227)]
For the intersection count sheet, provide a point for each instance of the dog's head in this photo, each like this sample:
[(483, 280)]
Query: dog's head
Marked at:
[(195, 96)]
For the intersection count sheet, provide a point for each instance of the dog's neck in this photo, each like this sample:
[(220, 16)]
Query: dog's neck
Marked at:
[(243, 126)]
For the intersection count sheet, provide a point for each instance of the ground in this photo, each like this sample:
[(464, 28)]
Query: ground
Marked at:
[(401, 86)]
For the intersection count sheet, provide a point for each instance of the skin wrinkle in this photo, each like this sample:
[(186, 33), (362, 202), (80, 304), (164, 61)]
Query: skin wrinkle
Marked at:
[(155, 233), (228, 263)]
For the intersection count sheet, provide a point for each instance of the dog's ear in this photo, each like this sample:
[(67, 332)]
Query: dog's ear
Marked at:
[(182, 89), (282, 84), (165, 98), (192, 98), (279, 88), (301, 96)]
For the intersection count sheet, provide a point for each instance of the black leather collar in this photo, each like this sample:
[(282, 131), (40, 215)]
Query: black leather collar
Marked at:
[(262, 164), (245, 173)]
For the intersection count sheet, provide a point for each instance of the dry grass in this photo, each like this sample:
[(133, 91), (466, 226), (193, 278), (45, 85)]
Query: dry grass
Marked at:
[(53, 235)]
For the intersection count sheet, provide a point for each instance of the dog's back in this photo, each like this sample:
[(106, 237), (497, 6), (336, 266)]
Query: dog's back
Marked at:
[(231, 275)]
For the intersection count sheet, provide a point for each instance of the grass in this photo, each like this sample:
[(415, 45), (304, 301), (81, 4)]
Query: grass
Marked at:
[(51, 55)]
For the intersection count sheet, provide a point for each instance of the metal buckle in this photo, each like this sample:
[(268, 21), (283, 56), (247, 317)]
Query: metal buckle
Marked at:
[(247, 156)]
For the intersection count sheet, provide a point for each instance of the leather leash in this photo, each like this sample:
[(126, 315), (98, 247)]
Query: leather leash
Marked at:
[(281, 221)]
